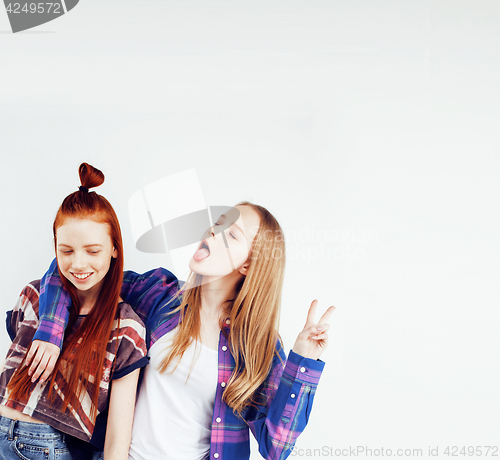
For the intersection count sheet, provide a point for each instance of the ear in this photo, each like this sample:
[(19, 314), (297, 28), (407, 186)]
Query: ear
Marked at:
[(114, 254), (244, 268)]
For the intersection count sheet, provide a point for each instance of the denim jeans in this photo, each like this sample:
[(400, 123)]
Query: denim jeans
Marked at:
[(31, 441)]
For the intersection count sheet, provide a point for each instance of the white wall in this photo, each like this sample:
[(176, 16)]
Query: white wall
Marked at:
[(369, 128)]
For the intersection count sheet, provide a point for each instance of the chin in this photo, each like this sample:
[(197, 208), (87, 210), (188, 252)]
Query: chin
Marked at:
[(192, 265), (82, 288)]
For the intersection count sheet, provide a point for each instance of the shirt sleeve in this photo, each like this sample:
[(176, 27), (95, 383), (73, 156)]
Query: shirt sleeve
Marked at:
[(54, 306), (22, 322), (151, 294), (289, 392), (24, 316), (132, 349)]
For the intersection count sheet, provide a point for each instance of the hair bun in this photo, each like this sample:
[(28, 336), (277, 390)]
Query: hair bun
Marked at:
[(90, 177)]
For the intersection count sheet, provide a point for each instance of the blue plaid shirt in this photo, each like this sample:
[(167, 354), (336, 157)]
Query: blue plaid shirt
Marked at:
[(289, 387)]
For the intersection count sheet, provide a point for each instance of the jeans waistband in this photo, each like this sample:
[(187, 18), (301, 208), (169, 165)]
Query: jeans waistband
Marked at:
[(38, 430)]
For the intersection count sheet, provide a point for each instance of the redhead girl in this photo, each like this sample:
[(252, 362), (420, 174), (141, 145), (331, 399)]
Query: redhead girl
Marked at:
[(217, 367), (105, 344)]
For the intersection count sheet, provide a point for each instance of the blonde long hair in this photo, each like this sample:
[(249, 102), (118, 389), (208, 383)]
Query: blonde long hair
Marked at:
[(253, 314)]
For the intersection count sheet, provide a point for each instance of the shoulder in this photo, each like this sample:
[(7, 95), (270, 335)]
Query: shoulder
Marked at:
[(130, 335), (127, 314), (157, 276), (129, 321), (25, 311), (31, 291), (28, 298)]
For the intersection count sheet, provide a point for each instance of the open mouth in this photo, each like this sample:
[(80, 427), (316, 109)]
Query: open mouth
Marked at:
[(203, 251), (81, 276)]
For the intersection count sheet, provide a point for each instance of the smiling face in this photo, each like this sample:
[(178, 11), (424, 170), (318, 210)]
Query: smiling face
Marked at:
[(227, 251), (84, 251)]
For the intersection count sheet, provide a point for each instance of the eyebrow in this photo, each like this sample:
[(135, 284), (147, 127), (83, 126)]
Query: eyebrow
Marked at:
[(234, 223), (86, 246)]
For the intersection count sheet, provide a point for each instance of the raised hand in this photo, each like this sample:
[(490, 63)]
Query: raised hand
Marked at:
[(44, 356), (313, 339)]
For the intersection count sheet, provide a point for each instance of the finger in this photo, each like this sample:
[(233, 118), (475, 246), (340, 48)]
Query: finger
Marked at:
[(312, 312), (323, 328), (320, 345), (326, 316), (322, 336), (36, 360), (41, 367), (31, 352), (48, 370), (308, 332)]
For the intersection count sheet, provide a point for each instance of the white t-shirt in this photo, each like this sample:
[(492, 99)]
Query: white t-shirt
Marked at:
[(173, 413)]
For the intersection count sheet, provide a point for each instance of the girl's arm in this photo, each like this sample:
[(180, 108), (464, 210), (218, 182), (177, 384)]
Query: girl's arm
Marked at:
[(53, 307), (150, 294), (121, 417), (290, 391)]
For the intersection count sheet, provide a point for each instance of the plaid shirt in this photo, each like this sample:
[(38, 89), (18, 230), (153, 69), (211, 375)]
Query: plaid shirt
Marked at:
[(289, 388), (126, 352)]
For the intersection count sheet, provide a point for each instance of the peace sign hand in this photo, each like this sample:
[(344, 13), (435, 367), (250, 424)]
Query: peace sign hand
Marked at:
[(313, 339)]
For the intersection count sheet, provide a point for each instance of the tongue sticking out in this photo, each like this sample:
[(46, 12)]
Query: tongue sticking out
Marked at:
[(201, 254)]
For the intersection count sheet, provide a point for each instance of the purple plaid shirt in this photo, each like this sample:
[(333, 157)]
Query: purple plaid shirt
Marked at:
[(289, 387)]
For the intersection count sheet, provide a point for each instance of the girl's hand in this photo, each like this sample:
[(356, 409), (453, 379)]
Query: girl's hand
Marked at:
[(44, 355), (313, 339)]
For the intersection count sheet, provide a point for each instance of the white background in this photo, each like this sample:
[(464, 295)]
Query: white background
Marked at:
[(369, 128)]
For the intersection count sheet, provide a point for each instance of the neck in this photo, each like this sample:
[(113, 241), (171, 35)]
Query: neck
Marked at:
[(87, 300), (217, 291)]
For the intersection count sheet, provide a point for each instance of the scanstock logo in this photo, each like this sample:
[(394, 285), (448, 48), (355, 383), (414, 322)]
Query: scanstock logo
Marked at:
[(170, 217), (26, 15)]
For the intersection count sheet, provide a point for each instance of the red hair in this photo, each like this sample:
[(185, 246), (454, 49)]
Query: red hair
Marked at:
[(94, 332)]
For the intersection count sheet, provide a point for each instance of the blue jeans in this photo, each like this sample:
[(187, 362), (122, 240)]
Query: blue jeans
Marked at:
[(31, 441)]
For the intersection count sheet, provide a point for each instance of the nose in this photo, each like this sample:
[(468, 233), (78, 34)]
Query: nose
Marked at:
[(79, 261), (209, 232)]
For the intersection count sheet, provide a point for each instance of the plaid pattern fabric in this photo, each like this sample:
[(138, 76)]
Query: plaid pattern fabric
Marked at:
[(125, 353), (289, 388)]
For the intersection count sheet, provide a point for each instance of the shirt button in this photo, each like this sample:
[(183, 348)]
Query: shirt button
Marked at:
[(292, 395), (216, 455), (223, 384), (224, 348), (228, 321), (218, 419), (302, 369)]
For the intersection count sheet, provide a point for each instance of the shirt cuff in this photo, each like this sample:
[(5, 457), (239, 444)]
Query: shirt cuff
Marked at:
[(306, 370), (127, 370), (50, 336)]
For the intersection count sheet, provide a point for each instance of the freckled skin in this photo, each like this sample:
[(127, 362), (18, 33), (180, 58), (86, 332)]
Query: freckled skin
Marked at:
[(84, 248)]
